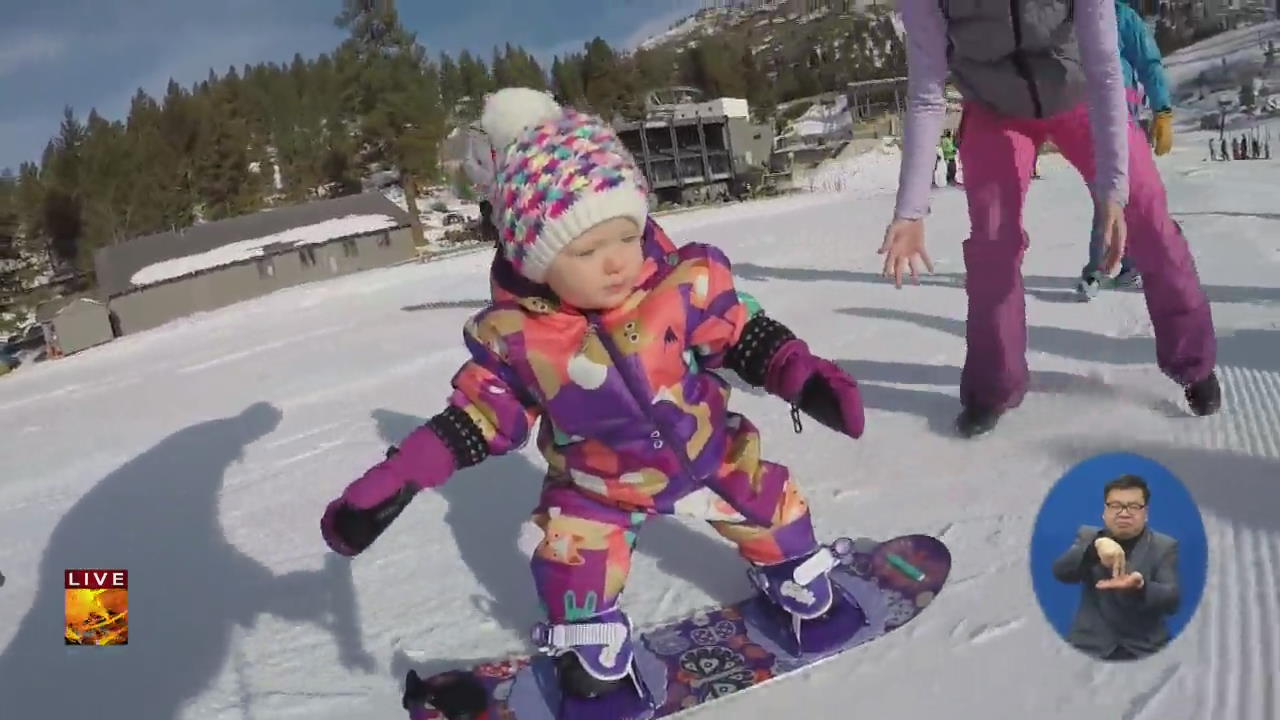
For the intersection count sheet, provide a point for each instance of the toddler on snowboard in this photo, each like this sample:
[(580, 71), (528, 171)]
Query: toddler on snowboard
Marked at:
[(606, 331)]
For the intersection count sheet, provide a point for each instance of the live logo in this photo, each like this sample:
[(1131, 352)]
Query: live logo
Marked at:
[(96, 579)]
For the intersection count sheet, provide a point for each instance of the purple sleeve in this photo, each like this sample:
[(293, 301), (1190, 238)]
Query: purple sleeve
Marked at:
[(926, 105), (1108, 113), (487, 389)]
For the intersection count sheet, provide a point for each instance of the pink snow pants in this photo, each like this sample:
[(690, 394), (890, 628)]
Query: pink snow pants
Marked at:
[(997, 155)]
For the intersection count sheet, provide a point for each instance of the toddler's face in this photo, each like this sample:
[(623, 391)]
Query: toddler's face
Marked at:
[(598, 270)]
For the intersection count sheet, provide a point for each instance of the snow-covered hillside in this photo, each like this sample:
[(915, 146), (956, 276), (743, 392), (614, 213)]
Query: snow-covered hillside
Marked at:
[(200, 455), (1240, 48)]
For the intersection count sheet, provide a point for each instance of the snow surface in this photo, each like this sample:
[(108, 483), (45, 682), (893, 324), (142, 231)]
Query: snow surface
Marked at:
[(315, 233), (239, 425), (860, 172), (1242, 48), (688, 26), (433, 227), (821, 120)]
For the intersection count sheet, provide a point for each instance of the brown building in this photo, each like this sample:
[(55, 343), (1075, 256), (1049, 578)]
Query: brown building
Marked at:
[(73, 324), (151, 280)]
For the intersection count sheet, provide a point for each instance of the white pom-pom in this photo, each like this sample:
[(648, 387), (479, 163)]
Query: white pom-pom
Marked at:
[(511, 111), (479, 161)]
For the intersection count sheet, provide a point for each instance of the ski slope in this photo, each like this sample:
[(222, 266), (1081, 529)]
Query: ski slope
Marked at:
[(200, 455)]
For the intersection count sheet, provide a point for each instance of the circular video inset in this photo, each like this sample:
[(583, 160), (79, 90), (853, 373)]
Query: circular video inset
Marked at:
[(1119, 557)]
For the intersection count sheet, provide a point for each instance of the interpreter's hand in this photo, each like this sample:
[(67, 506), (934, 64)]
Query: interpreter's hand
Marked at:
[(1162, 132), (903, 248), (1111, 555), (1114, 235), (1132, 581)]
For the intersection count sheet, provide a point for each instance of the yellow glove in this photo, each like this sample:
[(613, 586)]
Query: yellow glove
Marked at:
[(1162, 132)]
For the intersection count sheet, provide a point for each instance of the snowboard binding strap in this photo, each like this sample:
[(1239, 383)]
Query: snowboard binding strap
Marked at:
[(826, 559), (594, 658), (801, 587), (556, 639)]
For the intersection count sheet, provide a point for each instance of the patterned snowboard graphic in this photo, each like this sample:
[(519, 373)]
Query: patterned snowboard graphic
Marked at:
[(712, 653)]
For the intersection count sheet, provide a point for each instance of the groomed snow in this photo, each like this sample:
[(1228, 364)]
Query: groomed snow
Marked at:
[(320, 232), (200, 456)]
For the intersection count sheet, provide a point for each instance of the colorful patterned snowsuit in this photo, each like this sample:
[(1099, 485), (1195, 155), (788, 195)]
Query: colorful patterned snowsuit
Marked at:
[(633, 422)]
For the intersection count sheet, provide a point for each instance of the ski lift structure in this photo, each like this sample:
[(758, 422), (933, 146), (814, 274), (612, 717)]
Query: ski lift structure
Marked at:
[(693, 149)]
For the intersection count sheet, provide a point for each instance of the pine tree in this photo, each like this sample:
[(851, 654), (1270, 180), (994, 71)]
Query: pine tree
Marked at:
[(372, 24), (396, 96), (710, 66), (452, 88), (337, 171), (66, 160), (567, 80), (607, 90), (530, 72), (476, 83), (759, 89), (518, 69), (30, 199), (162, 195), (224, 182), (107, 174), (62, 220), (502, 76), (62, 207), (655, 68), (11, 265), (293, 140)]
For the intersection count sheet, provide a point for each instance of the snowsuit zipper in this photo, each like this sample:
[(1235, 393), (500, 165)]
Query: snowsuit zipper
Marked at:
[(1020, 63), (661, 435)]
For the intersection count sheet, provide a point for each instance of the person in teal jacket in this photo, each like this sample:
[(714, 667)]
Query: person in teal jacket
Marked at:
[(1141, 65)]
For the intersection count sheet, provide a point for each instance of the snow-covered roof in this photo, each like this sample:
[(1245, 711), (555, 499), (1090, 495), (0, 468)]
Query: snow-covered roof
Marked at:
[(50, 309), (313, 234), (164, 256)]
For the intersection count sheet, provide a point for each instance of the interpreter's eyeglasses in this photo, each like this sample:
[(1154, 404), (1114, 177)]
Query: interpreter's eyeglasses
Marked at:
[(1132, 507)]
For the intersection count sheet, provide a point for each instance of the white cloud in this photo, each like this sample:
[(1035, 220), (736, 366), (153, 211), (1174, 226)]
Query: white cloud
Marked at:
[(30, 49)]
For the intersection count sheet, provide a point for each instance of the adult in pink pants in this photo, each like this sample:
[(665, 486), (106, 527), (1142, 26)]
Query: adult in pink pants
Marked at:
[(1031, 71)]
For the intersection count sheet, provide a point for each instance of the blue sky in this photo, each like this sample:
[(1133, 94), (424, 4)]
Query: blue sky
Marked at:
[(97, 53)]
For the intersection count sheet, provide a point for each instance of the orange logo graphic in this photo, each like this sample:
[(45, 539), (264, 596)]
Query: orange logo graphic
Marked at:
[(97, 610)]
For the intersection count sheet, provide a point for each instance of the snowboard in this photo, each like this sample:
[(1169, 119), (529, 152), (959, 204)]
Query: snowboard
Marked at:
[(709, 654)]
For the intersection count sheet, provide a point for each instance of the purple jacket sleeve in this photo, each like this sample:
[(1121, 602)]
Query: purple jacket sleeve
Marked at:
[(487, 389), (717, 314), (926, 105), (1108, 113)]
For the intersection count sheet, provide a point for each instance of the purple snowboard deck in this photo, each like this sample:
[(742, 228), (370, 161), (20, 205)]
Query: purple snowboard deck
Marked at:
[(709, 654)]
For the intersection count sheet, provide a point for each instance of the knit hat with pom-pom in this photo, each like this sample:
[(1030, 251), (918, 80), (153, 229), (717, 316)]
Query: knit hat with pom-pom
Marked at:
[(556, 174)]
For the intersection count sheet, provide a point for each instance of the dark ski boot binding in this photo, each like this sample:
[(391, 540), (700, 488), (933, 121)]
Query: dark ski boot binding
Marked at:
[(1205, 396), (595, 664), (821, 615), (457, 694), (975, 421)]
